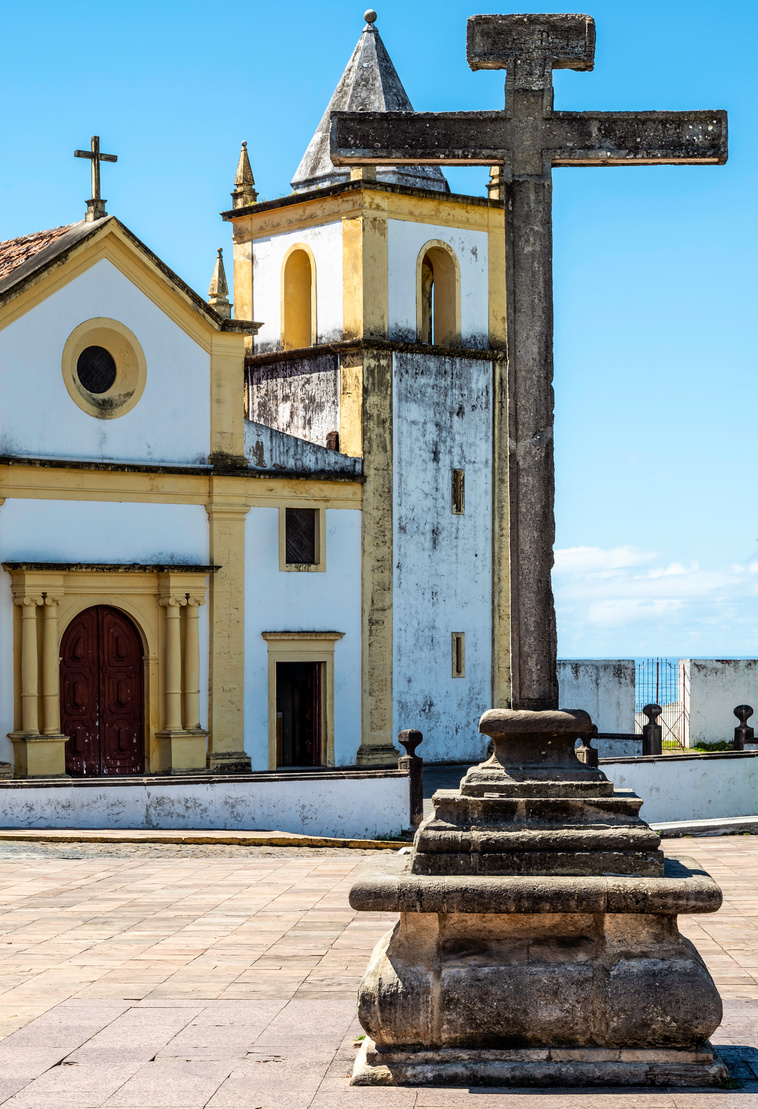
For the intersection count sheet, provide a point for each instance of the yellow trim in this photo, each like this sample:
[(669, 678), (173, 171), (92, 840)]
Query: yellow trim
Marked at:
[(302, 647), (283, 311), (458, 644), (113, 245), (131, 368), (496, 283), (453, 338), (30, 482), (227, 398), (226, 723), (351, 403), (318, 210), (320, 564)]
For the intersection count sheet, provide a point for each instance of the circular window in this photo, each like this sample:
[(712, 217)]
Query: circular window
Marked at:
[(104, 368), (96, 369)]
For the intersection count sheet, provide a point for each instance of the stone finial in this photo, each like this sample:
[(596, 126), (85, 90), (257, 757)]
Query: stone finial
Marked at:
[(743, 733), (370, 17), (218, 291), (496, 184), (244, 183)]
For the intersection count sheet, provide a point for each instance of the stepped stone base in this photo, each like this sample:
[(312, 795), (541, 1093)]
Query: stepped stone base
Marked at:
[(543, 1066)]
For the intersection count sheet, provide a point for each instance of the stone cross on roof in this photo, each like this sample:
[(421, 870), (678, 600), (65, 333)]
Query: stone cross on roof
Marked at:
[(96, 205), (527, 139)]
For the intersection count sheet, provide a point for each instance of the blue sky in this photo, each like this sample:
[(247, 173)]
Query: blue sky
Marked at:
[(655, 283)]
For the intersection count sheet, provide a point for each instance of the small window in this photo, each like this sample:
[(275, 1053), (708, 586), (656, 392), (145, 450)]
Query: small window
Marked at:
[(459, 654), (459, 492), (438, 313), (301, 536), (298, 307)]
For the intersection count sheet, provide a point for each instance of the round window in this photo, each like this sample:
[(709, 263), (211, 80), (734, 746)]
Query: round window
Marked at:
[(104, 368), (96, 369)]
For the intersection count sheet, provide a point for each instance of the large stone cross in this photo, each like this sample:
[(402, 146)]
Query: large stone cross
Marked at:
[(527, 139)]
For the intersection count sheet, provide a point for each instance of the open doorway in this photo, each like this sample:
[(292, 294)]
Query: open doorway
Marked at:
[(299, 715)]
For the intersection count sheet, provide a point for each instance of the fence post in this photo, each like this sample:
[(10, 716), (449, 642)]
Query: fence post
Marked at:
[(652, 733), (410, 738), (743, 733), (586, 753)]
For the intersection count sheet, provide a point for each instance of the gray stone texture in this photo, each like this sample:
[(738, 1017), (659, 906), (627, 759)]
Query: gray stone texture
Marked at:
[(537, 942)]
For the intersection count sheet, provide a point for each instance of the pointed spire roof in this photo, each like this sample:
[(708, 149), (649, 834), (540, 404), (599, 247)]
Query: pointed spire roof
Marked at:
[(369, 84), (218, 291), (244, 182)]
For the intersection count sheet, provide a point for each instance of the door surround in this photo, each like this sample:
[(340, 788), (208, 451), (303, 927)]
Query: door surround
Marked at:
[(313, 646), (143, 593)]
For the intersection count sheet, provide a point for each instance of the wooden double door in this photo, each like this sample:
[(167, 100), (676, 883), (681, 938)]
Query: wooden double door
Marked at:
[(102, 694)]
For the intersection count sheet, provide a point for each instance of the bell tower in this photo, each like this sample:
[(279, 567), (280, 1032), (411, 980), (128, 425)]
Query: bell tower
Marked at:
[(382, 301)]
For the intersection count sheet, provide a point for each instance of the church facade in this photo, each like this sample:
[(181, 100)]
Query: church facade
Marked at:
[(230, 545)]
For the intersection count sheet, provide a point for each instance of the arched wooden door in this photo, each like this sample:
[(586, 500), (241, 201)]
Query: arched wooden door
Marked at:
[(102, 705)]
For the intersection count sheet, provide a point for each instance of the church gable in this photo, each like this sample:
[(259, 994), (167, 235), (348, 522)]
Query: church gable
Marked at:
[(104, 354)]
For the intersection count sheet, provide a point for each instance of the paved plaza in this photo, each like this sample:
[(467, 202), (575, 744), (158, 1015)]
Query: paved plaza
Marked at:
[(155, 976)]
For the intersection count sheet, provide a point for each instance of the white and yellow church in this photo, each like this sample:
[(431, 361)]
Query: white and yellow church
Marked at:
[(236, 546)]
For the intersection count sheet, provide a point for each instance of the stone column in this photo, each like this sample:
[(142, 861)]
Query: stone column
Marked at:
[(38, 754), (51, 680), (29, 665), (192, 664), (173, 668)]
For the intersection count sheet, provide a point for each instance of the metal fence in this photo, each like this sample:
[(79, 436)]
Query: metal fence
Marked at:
[(661, 681)]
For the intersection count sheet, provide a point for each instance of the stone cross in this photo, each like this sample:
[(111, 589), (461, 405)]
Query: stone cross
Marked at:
[(527, 139), (95, 206)]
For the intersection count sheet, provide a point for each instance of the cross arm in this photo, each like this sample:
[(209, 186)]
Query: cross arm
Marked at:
[(90, 154), (417, 138), (637, 138)]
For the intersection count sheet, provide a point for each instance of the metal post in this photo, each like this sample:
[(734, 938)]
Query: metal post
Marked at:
[(410, 761), (743, 733), (652, 733)]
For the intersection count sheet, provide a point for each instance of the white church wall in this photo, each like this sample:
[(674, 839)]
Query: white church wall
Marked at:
[(102, 531), (171, 421), (443, 562), (325, 242), (303, 601), (404, 242)]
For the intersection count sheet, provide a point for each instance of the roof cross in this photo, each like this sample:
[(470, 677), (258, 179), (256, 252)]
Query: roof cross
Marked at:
[(95, 206), (527, 139)]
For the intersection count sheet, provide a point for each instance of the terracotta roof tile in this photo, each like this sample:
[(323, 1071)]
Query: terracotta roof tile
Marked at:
[(13, 252)]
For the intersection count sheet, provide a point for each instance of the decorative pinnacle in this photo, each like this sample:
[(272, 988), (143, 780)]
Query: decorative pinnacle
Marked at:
[(218, 290), (370, 17), (244, 182)]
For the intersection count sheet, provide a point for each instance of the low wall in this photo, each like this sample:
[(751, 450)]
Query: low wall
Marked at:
[(347, 804), (690, 787), (712, 690), (617, 747), (603, 687)]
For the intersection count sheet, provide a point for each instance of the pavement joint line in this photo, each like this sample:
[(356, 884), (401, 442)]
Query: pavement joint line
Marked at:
[(192, 836)]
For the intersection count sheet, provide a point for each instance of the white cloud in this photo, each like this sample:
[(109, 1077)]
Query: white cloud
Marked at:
[(624, 601)]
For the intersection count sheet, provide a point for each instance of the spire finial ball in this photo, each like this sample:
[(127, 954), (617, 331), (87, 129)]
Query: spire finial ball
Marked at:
[(370, 16)]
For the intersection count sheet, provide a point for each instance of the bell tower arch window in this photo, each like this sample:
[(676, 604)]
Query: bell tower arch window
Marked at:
[(298, 298), (438, 295)]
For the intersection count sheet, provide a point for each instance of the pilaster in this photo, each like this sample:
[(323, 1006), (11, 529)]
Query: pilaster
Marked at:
[(227, 399), (182, 743), (226, 513)]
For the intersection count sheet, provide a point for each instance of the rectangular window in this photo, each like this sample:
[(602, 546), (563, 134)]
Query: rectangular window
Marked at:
[(459, 492), (459, 654), (300, 539)]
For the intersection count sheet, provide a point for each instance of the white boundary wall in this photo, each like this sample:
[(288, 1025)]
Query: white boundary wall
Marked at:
[(603, 687), (365, 805), (690, 787), (712, 690)]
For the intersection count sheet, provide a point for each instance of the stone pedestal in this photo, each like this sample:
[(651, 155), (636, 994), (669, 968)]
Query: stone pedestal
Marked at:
[(537, 942)]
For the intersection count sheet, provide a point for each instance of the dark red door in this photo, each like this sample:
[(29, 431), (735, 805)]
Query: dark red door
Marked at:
[(101, 694)]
